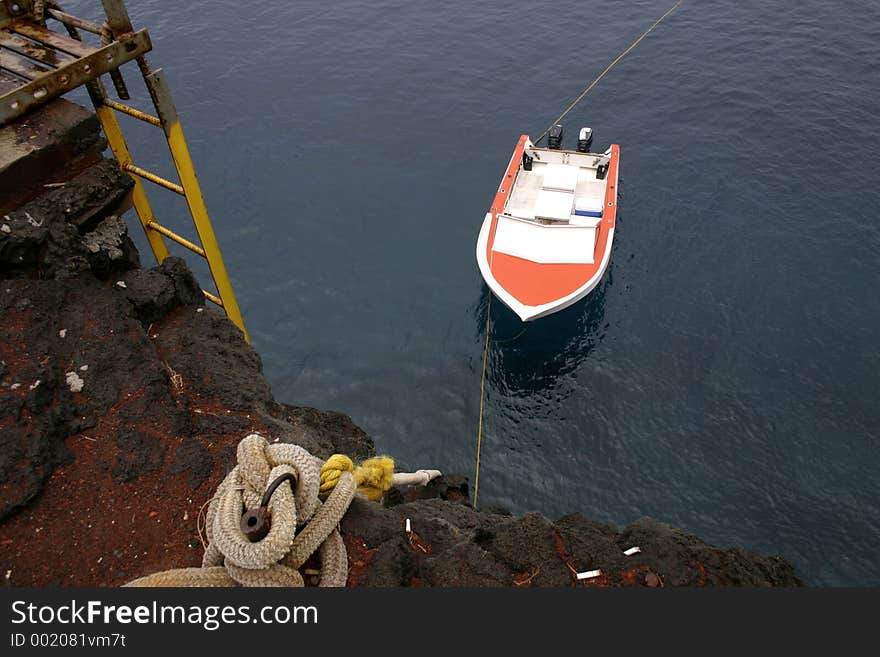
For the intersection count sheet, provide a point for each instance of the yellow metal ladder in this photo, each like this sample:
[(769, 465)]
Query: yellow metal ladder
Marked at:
[(51, 64), (188, 187)]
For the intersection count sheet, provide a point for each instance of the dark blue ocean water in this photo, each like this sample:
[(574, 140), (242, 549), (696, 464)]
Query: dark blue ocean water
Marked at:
[(723, 378)]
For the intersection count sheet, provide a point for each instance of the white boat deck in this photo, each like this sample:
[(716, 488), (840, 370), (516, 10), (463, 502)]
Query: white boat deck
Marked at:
[(547, 243), (558, 184), (539, 222)]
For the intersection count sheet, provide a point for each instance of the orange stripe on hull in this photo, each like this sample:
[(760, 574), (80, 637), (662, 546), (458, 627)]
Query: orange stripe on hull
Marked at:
[(536, 284)]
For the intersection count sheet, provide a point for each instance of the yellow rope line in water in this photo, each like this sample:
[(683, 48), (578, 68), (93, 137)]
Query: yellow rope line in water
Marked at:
[(482, 397), (602, 74)]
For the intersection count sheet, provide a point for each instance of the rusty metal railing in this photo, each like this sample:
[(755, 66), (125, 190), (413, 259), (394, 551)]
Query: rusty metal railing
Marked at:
[(38, 64)]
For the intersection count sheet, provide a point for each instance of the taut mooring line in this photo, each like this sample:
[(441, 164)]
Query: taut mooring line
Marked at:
[(602, 74)]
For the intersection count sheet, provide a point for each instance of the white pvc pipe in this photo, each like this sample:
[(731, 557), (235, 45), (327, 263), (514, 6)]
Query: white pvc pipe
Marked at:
[(418, 478)]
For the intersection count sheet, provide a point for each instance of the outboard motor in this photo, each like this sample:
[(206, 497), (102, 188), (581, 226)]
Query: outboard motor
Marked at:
[(527, 162), (554, 137), (585, 139), (601, 163)]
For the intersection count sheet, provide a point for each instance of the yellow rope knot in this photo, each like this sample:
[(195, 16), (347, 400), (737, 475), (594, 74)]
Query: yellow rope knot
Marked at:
[(374, 476)]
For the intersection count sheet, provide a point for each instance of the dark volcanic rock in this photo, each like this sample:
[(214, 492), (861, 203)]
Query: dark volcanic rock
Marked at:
[(44, 237), (155, 292), (686, 560), (529, 545), (28, 455), (83, 200), (330, 432), (39, 248), (455, 545), (232, 372), (109, 248)]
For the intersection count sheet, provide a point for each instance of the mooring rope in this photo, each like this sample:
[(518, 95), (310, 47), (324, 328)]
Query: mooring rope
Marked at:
[(482, 397), (293, 503), (603, 73)]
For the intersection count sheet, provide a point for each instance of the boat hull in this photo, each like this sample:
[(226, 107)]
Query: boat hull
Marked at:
[(530, 311), (534, 289)]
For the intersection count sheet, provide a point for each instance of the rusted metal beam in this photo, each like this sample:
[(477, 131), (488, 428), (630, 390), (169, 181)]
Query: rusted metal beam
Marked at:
[(70, 76), (70, 19), (51, 39), (48, 56), (21, 66), (117, 17)]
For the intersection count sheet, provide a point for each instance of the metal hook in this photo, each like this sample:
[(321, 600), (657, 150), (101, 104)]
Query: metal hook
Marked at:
[(256, 524)]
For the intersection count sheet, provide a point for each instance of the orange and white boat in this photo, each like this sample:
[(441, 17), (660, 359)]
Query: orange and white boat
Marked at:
[(546, 241)]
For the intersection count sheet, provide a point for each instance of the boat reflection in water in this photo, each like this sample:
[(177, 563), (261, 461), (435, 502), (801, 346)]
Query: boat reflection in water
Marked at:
[(527, 358)]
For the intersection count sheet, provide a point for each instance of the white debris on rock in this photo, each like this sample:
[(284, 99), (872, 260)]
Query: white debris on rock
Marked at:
[(62, 333), (107, 237), (5, 228), (74, 382), (35, 384), (84, 368), (15, 386), (121, 284)]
